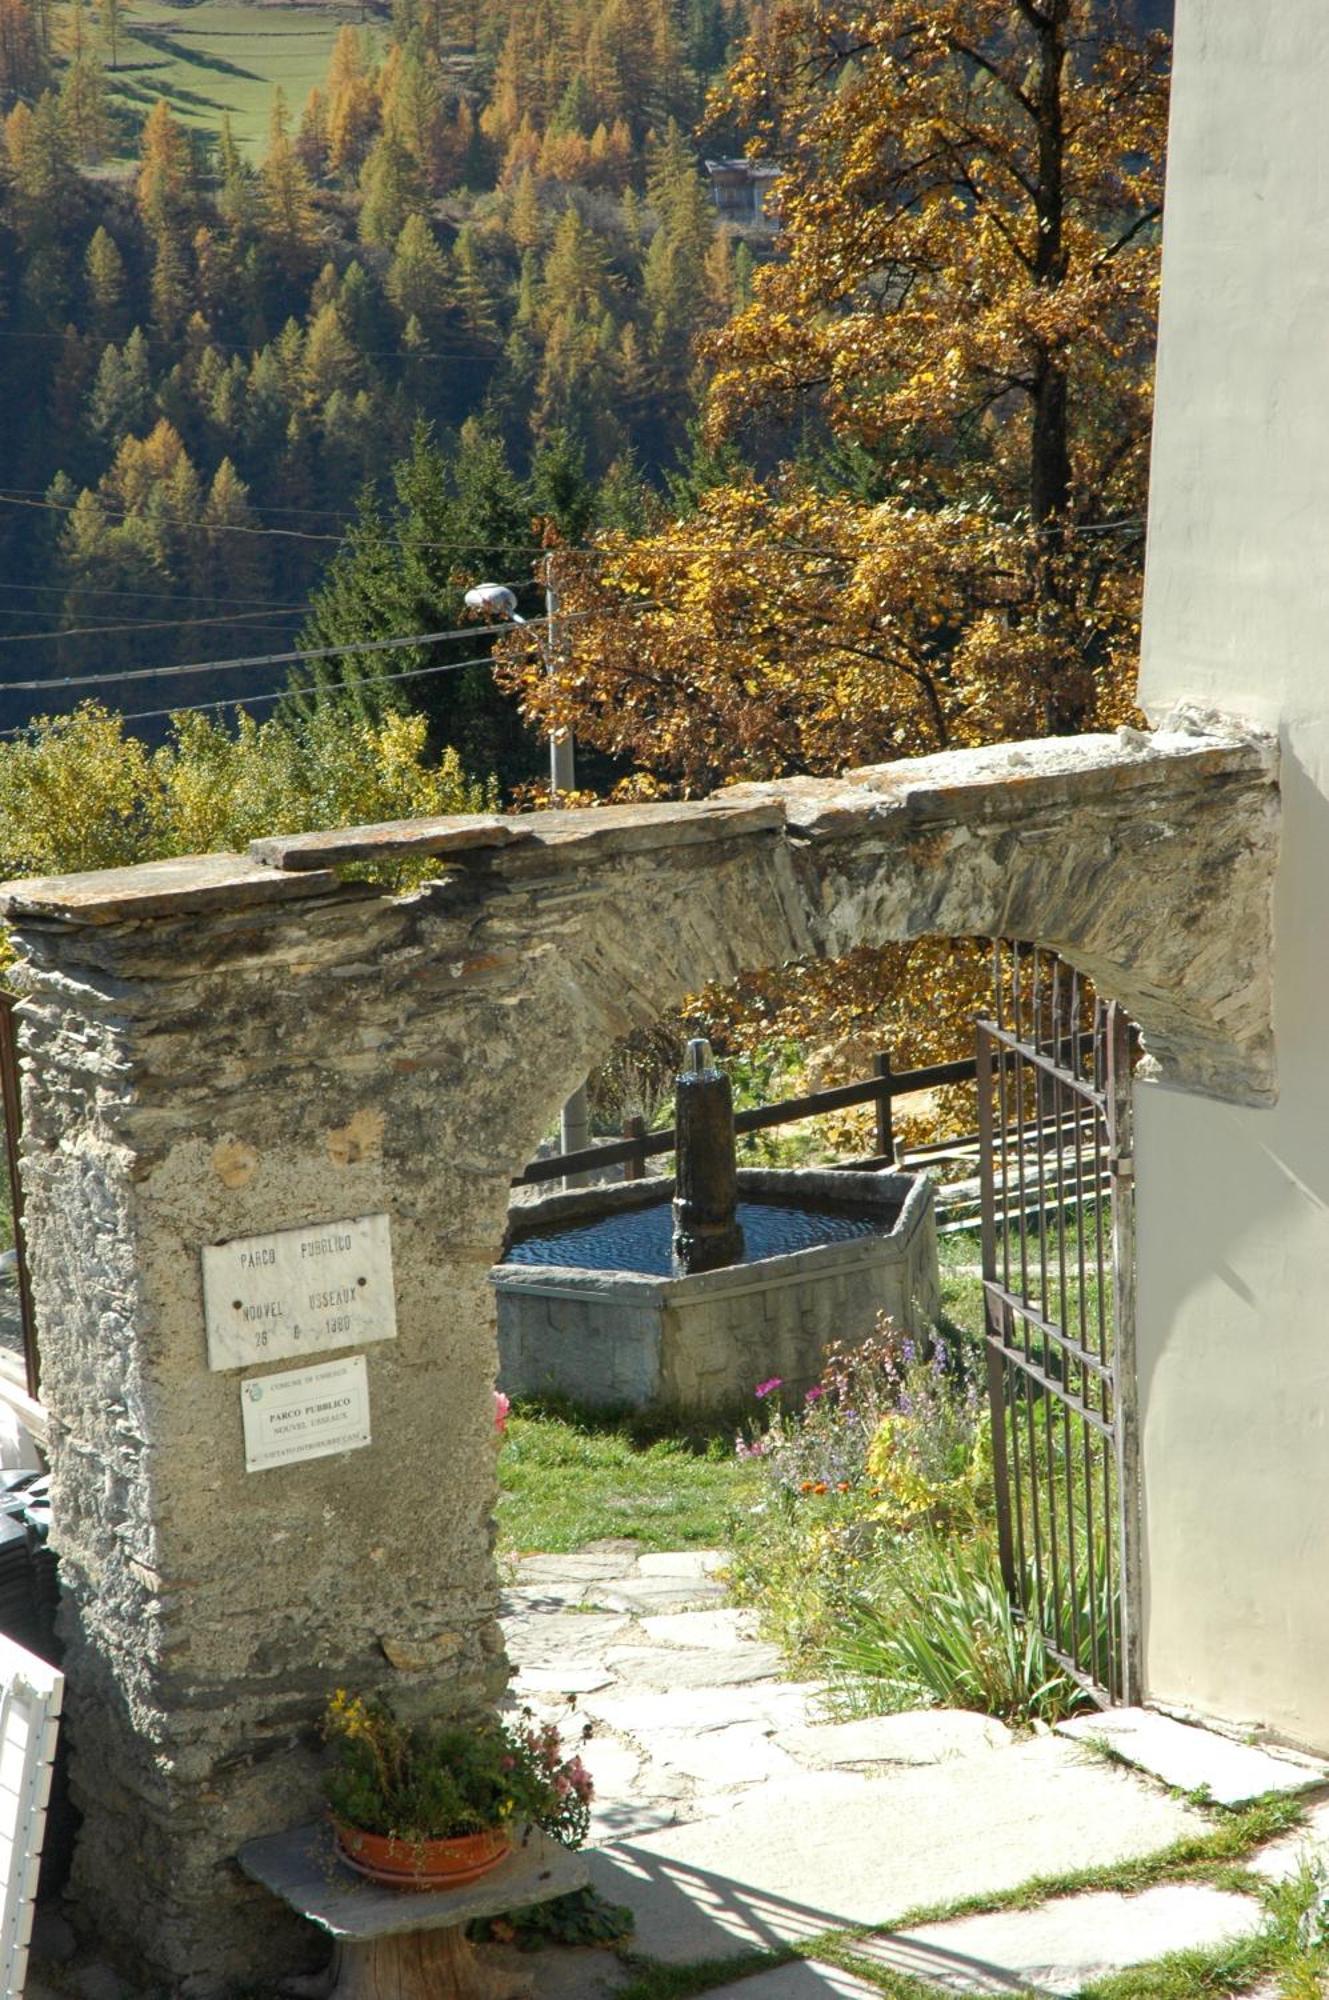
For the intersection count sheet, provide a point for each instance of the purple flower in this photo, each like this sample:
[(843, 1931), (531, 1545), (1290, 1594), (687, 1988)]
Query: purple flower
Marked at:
[(815, 1393), (764, 1389)]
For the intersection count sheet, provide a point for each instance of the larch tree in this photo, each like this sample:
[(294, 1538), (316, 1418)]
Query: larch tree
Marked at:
[(104, 277), (23, 64), (111, 20), (417, 279)]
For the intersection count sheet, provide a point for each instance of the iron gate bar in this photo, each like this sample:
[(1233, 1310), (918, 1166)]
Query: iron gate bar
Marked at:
[(1053, 1067)]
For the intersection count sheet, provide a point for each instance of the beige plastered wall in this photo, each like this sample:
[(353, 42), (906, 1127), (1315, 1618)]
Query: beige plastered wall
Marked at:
[(1234, 1204)]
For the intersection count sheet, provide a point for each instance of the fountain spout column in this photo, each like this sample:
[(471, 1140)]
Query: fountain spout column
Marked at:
[(707, 1236)]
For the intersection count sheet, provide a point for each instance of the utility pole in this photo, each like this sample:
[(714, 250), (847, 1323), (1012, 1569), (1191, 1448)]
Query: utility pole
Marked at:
[(499, 602), (575, 1121)]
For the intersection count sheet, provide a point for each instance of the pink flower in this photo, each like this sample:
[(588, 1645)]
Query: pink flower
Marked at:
[(501, 1408), (815, 1393), (764, 1389)]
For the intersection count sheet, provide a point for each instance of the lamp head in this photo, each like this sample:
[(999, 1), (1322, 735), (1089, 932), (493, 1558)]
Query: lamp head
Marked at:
[(495, 600)]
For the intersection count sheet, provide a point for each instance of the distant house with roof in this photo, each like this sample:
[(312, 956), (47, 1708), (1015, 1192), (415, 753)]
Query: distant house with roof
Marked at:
[(741, 191)]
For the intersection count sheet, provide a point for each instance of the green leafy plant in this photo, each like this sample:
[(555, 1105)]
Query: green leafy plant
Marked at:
[(583, 1917), (436, 1780), (952, 1638)]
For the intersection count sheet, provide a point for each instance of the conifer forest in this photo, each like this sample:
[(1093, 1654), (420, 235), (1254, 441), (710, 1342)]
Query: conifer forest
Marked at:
[(805, 347)]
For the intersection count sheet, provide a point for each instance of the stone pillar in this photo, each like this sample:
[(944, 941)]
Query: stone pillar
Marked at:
[(260, 1053), (707, 1235)]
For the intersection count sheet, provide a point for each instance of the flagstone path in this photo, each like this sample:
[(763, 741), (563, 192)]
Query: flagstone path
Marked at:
[(731, 1814)]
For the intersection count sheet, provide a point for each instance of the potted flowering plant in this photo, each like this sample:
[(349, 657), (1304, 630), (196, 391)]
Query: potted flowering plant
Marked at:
[(433, 1804)]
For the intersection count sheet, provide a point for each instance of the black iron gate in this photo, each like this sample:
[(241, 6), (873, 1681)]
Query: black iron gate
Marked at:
[(1054, 1090)]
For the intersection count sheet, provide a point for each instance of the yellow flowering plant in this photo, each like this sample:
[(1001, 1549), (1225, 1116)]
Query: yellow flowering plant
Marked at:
[(438, 1779)]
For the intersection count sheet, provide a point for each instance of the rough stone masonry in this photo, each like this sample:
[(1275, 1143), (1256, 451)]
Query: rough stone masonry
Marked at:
[(219, 1047)]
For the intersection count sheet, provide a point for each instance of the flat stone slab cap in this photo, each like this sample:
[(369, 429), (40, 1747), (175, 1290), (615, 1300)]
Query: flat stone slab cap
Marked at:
[(1065, 1945), (450, 833), (187, 882), (302, 1867), (831, 1849), (1009, 779), (608, 829), (1195, 1759)]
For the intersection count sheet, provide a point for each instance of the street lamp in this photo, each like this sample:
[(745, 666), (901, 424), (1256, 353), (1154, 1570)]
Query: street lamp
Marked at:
[(495, 600)]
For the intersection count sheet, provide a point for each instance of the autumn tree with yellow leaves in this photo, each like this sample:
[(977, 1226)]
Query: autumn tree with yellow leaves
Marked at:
[(921, 524), (916, 517)]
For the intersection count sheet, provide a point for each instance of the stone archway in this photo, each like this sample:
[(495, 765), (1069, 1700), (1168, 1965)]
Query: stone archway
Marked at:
[(216, 1048)]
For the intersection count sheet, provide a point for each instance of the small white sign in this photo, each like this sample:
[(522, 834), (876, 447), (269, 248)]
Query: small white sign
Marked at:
[(299, 1291), (305, 1413)]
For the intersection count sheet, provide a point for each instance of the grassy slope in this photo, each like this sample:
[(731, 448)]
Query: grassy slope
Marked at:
[(221, 56)]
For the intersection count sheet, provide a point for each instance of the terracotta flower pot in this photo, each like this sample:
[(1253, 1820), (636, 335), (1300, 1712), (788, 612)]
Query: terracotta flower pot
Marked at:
[(421, 1864)]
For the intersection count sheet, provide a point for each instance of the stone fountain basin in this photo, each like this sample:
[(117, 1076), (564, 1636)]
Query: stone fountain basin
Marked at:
[(627, 1339)]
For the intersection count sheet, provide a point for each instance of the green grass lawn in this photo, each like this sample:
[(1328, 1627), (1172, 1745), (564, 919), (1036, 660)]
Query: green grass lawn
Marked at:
[(218, 57), (568, 1480)]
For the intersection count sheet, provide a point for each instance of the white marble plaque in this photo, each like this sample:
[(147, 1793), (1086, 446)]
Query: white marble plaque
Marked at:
[(298, 1291), (305, 1413)]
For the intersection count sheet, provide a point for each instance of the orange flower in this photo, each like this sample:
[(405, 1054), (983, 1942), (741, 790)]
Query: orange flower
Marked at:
[(820, 1486)]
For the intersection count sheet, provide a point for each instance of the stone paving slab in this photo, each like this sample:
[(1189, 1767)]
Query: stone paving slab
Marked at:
[(527, 1600), (587, 1566), (1064, 1945), (1191, 1758), (696, 1667), (682, 1562), (768, 1705), (926, 1737), (640, 1596), (832, 1848), (723, 1758), (576, 1677), (720, 1629), (552, 1637), (1283, 1858), (808, 1980)]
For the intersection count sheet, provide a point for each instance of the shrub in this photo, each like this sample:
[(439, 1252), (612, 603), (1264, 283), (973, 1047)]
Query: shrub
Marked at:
[(891, 1438), (952, 1639)]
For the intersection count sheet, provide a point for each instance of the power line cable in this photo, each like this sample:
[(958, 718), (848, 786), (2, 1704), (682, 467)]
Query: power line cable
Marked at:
[(355, 647), (278, 614), (11, 499), (298, 657), (491, 353), (277, 694), (81, 589)]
